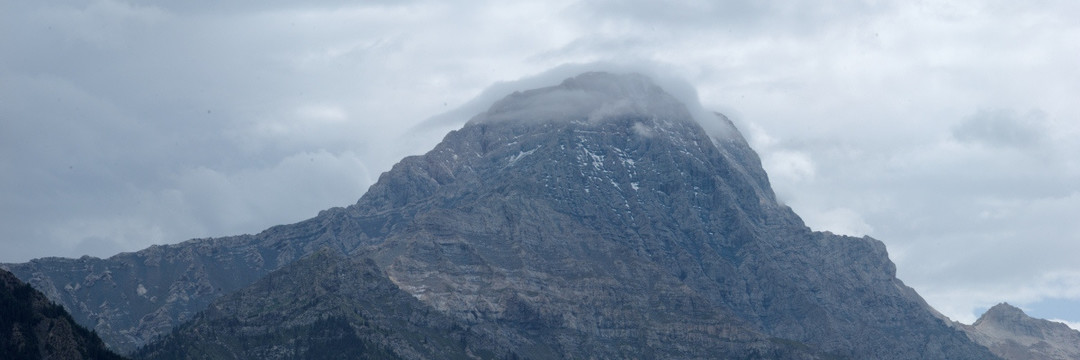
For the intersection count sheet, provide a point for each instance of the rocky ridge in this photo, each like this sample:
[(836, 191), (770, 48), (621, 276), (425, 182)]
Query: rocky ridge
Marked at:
[(131, 298), (32, 327)]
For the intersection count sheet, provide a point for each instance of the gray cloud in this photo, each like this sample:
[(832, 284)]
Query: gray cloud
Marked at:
[(736, 17), (1002, 128)]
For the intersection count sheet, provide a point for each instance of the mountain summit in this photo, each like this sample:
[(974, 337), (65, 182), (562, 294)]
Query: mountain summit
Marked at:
[(1013, 335), (592, 219)]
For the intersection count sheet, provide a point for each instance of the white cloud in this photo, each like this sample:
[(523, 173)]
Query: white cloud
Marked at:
[(793, 165), (295, 188), (963, 302), (1002, 128), (204, 202), (1072, 324), (322, 113), (840, 221)]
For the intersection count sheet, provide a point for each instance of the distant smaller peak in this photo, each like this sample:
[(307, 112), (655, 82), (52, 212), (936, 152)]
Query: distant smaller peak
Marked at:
[(1005, 308), (1002, 312)]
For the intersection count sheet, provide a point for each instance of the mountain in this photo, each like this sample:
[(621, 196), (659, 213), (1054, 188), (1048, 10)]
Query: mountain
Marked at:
[(595, 218), (32, 327), (619, 311), (1013, 335), (614, 212)]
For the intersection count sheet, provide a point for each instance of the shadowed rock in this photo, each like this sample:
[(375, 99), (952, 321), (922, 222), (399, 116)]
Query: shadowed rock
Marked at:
[(32, 327)]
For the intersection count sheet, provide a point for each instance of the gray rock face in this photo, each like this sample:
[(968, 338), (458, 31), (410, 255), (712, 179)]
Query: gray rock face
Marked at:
[(591, 219), (621, 223), (329, 306), (1013, 335), (322, 306), (32, 327), (131, 298)]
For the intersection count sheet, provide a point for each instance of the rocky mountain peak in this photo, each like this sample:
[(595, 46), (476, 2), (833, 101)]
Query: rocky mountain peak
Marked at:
[(596, 138), (1010, 333), (1002, 313), (603, 192)]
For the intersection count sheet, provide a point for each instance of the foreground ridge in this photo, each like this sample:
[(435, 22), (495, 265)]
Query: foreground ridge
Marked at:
[(32, 327)]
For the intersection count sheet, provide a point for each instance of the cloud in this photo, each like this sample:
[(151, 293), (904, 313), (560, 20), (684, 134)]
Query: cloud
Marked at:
[(793, 165), (739, 17), (1002, 128), (297, 187), (203, 202), (840, 221), (590, 97), (1044, 295), (1071, 324)]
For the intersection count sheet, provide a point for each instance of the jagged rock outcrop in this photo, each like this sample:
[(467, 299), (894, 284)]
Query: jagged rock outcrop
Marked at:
[(1010, 333), (32, 327), (596, 218)]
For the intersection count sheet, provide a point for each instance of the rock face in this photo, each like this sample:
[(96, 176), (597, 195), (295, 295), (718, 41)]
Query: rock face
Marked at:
[(1013, 335), (322, 306), (131, 298), (32, 327), (621, 218), (596, 218)]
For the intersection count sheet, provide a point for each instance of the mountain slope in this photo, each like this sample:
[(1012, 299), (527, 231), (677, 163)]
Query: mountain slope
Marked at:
[(32, 327), (1012, 334), (322, 306), (131, 298)]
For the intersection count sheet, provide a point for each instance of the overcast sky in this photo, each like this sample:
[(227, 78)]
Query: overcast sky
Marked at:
[(947, 129)]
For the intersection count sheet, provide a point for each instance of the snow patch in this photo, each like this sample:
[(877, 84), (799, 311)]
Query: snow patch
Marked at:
[(597, 160), (520, 155)]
